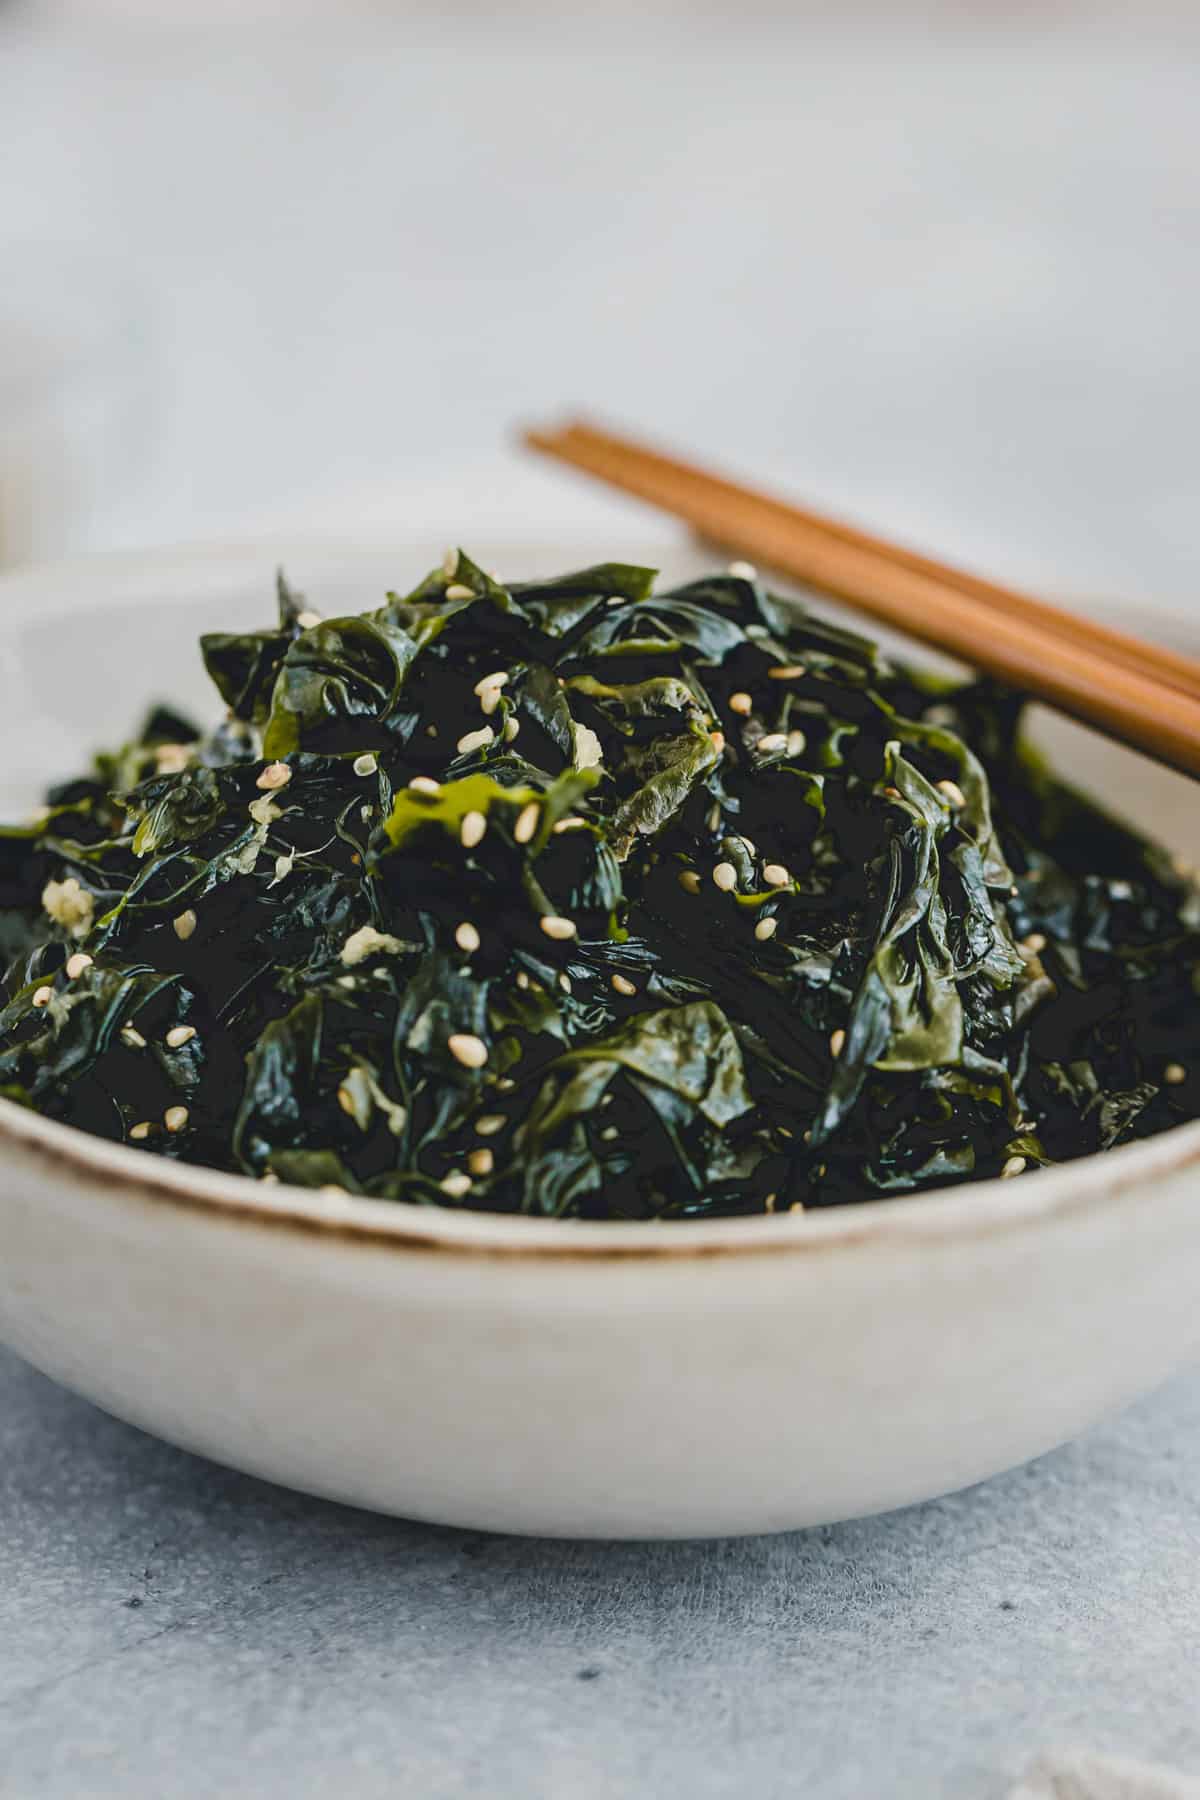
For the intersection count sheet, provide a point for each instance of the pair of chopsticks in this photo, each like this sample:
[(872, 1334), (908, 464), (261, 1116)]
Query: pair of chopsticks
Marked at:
[(1141, 693)]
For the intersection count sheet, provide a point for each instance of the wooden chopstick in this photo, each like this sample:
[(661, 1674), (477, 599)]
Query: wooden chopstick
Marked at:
[(1146, 696)]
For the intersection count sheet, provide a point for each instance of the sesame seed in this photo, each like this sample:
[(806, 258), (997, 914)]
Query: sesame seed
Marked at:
[(466, 1048), (556, 927), (527, 823), (718, 741), (766, 928), (456, 1184), (431, 731), (623, 985), (610, 1133), (714, 816), (775, 875), (184, 924), (837, 1042), (1174, 1074), (743, 571), (774, 740), (472, 829), (132, 1038), (466, 937), (511, 727), (497, 679), (797, 743), (953, 793), (689, 881), (787, 671), (1121, 890), (365, 764), (564, 982), (893, 793), (306, 620), (175, 1118), (725, 876), (1016, 1165), (141, 1131), (77, 964), (1034, 944), (43, 996), (475, 740), (450, 564), (571, 823), (490, 1123), (424, 784), (458, 591), (741, 703), (522, 979), (179, 1035), (481, 1162), (276, 775)]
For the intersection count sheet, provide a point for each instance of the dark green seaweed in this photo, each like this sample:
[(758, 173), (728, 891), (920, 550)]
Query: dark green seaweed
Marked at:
[(570, 898)]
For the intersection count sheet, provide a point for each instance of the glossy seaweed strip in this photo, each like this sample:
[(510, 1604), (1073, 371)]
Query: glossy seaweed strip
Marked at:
[(573, 898)]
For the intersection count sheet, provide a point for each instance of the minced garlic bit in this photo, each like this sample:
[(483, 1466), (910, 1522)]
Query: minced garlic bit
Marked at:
[(456, 1184), (951, 791), (527, 823), (466, 937), (276, 775), (70, 905), (741, 703), (773, 740), (623, 985), (1016, 1165), (588, 751), (837, 1042), (689, 881), (141, 1131), (556, 927), (43, 996), (366, 941), (366, 764), (472, 829), (76, 964), (775, 875), (264, 810), (725, 876), (766, 928), (471, 741), (466, 1048), (179, 1035), (184, 924), (1174, 1074), (481, 1162), (175, 1118)]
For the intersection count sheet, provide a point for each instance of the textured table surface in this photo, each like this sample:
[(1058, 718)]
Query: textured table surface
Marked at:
[(170, 1628)]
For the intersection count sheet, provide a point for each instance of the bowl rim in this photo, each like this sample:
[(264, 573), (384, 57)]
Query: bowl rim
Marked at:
[(941, 1215)]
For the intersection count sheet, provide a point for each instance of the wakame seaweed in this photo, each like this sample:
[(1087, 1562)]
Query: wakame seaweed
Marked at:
[(577, 899)]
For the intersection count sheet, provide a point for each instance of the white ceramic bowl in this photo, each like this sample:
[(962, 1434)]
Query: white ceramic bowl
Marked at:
[(545, 1376)]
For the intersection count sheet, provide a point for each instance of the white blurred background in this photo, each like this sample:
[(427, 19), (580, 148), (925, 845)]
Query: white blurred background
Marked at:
[(273, 260)]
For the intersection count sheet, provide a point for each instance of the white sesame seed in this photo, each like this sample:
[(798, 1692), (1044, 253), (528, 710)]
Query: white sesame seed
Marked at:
[(497, 679), (787, 671), (556, 927), (797, 743), (725, 876), (175, 1118), (456, 1184), (77, 964), (1121, 890), (1174, 1074), (718, 741), (1016, 1165), (522, 979), (459, 591), (623, 985), (466, 1048), (307, 619), (743, 571), (490, 1123), (141, 1131), (276, 775), (953, 793), (425, 784), (481, 1162), (466, 937), (689, 881), (450, 564), (571, 823), (774, 740), (610, 1133), (741, 703), (179, 1035), (837, 1042), (527, 823), (475, 740), (775, 875), (472, 829), (511, 727), (132, 1037), (1034, 944), (365, 764), (564, 982), (766, 928), (43, 996)]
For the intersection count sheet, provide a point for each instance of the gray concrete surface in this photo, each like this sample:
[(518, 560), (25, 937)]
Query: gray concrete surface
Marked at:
[(169, 1628)]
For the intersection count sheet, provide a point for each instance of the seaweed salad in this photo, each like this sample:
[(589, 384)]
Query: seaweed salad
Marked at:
[(579, 899)]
